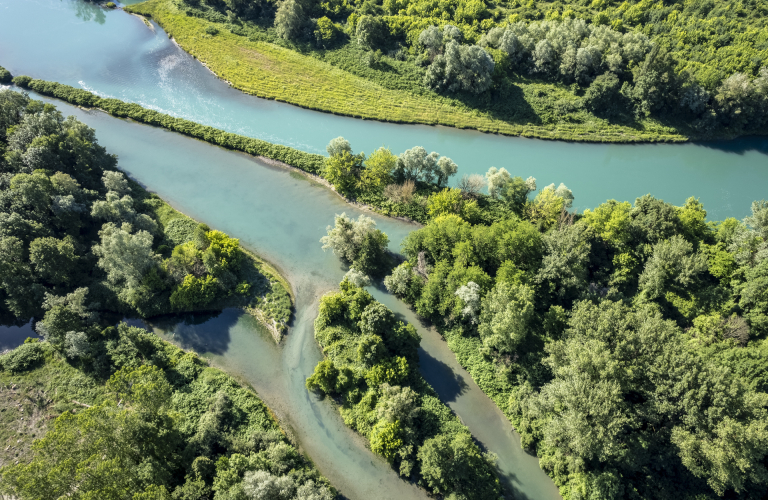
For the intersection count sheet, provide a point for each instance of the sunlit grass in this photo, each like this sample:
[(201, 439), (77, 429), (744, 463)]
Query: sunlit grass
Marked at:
[(272, 72)]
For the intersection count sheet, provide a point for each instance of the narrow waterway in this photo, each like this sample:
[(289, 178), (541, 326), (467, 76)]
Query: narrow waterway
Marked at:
[(282, 215), (115, 54)]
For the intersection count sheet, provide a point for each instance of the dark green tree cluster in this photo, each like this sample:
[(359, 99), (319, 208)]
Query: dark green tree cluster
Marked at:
[(371, 365), (76, 235), (627, 344), (158, 424)]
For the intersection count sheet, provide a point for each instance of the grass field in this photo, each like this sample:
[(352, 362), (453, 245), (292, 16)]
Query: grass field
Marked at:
[(272, 72)]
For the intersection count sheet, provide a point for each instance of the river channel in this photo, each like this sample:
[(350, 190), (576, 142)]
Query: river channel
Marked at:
[(116, 55), (282, 215)]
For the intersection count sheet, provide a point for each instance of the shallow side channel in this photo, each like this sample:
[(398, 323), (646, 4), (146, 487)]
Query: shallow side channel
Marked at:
[(282, 215)]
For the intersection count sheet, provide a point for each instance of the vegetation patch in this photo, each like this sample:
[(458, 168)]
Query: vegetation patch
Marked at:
[(80, 237), (371, 369), (341, 81), (141, 419), (612, 338)]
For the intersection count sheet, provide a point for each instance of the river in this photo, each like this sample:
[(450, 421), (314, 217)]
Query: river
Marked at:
[(282, 215), (115, 54)]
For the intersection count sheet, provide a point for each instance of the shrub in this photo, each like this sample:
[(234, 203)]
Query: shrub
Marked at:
[(194, 292), (25, 357), (5, 75), (22, 81), (401, 193)]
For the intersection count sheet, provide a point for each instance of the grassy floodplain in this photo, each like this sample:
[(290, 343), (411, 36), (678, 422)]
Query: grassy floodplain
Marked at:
[(272, 72)]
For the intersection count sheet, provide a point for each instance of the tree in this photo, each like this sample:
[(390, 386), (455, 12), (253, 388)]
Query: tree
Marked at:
[(450, 201), (754, 297), (326, 31), (342, 171), (371, 32), (415, 164), (673, 266), (386, 440), (506, 314), (445, 169), (604, 98), (454, 463), (611, 222), (655, 219), (465, 68), (513, 190), (125, 257), (338, 146), (563, 270), (289, 20), (54, 259), (379, 169), (357, 242)]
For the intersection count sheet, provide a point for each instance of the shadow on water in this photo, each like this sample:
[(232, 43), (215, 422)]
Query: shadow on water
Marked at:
[(448, 384), (12, 336), (739, 146), (201, 332)]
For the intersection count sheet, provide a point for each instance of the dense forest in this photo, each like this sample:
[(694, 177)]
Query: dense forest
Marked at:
[(77, 235), (371, 369), (133, 416), (699, 66), (627, 344)]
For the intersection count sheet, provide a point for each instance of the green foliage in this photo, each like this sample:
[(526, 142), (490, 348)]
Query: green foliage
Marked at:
[(342, 171), (371, 365), (326, 31), (610, 339), (194, 293), (87, 231), (451, 201), (5, 76), (25, 357), (358, 243), (162, 426)]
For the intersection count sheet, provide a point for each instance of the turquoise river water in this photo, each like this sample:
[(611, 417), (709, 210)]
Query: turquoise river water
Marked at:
[(281, 215), (115, 54)]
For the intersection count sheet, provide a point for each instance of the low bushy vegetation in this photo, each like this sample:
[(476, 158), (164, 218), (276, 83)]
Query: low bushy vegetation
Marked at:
[(371, 369), (141, 419), (78, 238)]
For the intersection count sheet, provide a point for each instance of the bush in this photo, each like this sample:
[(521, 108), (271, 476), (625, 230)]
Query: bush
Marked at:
[(25, 357), (194, 292), (22, 81), (5, 75)]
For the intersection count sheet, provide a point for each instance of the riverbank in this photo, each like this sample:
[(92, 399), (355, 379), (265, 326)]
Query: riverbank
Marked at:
[(47, 401), (272, 72), (271, 299), (283, 156)]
